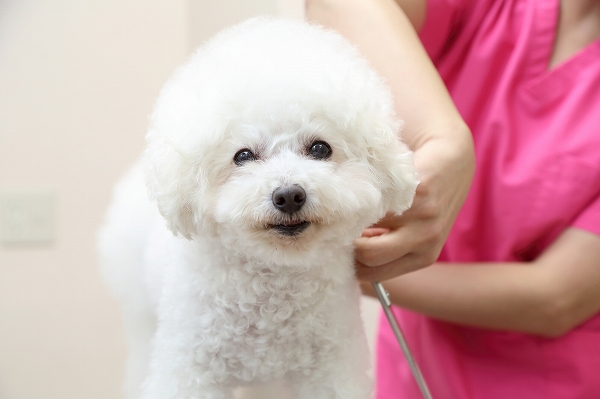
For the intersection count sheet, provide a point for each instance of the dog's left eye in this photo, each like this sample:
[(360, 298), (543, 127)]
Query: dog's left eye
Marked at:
[(242, 156), (319, 150)]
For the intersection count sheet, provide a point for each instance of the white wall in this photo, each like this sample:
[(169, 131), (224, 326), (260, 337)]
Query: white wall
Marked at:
[(77, 81), (207, 17)]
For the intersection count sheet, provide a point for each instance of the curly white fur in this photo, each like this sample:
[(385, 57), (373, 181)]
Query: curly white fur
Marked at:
[(228, 299)]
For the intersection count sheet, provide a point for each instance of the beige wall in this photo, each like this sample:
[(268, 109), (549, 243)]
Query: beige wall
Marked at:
[(77, 81)]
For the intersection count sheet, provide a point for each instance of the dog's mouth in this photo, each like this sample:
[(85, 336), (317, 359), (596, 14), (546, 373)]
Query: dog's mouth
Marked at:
[(291, 228)]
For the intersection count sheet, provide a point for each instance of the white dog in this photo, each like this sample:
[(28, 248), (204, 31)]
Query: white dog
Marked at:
[(269, 152)]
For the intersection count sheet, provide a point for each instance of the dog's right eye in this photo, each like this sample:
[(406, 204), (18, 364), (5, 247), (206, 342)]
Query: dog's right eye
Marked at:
[(242, 156), (319, 150)]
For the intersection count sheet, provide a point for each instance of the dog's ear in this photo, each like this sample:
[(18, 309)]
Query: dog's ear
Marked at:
[(175, 182), (393, 162)]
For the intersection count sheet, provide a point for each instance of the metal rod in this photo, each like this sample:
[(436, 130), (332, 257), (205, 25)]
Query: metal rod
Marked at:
[(384, 298)]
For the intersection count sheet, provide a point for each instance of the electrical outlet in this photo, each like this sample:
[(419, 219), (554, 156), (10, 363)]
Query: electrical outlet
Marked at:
[(27, 216)]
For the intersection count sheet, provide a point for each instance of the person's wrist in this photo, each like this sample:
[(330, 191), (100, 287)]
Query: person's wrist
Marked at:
[(452, 147)]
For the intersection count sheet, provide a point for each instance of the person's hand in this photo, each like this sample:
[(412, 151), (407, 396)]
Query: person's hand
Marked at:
[(400, 244)]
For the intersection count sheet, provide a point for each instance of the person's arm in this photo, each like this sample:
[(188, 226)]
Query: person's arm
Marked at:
[(549, 297), (384, 32)]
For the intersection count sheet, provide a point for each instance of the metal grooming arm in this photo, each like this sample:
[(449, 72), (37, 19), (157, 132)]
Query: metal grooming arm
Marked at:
[(384, 298)]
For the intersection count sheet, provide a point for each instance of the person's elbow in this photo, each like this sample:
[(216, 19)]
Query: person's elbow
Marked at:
[(561, 314)]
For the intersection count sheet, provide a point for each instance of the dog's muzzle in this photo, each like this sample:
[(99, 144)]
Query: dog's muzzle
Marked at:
[(289, 200)]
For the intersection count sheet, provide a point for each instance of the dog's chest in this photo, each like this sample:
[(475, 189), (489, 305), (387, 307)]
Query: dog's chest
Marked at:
[(265, 326)]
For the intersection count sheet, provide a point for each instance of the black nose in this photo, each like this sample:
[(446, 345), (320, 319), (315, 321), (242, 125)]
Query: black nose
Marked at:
[(289, 199)]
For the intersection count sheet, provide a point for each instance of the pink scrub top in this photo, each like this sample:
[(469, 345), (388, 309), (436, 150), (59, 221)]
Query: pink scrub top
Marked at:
[(537, 139)]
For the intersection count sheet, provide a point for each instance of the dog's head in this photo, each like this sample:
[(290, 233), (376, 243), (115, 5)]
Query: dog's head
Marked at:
[(278, 138)]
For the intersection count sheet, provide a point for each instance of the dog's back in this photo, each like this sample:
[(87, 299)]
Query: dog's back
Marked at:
[(122, 246)]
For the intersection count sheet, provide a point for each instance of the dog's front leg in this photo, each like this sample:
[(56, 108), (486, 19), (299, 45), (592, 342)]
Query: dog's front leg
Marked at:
[(185, 361), (339, 382), (340, 373), (176, 374), (161, 389)]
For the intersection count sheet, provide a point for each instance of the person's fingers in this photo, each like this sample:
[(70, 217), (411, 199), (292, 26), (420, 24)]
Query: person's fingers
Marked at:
[(374, 232), (381, 249)]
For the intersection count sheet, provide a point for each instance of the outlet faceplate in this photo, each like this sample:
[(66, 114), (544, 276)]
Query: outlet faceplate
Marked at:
[(27, 216)]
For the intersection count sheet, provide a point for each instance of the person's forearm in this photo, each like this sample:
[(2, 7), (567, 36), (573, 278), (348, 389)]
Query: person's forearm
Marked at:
[(503, 296), (550, 296), (500, 296)]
